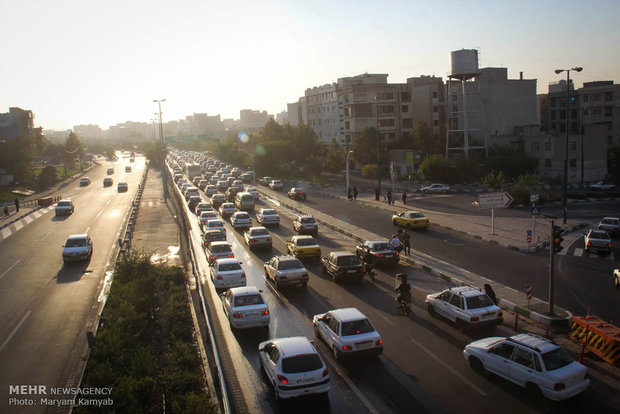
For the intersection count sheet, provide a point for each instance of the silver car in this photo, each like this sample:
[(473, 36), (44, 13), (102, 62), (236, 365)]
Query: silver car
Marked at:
[(77, 247), (286, 270), (218, 250), (258, 237), (268, 216), (597, 241)]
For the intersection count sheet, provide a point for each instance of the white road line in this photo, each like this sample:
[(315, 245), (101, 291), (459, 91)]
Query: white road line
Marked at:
[(28, 219), (6, 232), (47, 235), (15, 330), (578, 251), (100, 213), (109, 201), (9, 269), (18, 226), (36, 214), (87, 230)]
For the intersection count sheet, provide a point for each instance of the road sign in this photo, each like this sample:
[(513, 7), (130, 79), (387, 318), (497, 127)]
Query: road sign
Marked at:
[(528, 292), (534, 197), (535, 211), (494, 200), (529, 236)]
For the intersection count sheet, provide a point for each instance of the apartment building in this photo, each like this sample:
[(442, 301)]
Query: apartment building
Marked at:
[(322, 113), (16, 122), (250, 120)]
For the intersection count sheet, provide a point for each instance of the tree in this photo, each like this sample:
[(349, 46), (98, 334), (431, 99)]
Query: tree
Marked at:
[(335, 159), (512, 160), (47, 177), (437, 168), (365, 147), (309, 149), (369, 170), (16, 156), (73, 150), (613, 165), (494, 180)]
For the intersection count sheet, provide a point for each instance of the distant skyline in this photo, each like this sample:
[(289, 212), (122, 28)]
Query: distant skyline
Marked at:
[(103, 62)]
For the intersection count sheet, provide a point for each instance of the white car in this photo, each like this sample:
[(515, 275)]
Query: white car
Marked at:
[(347, 332), (268, 216), (227, 209), (276, 185), (218, 250), (435, 188), (598, 241), (258, 237), (533, 362), (466, 306), (77, 247), (203, 206), (253, 191), (610, 224), (206, 216), (227, 273), (210, 190), (293, 367), (215, 225), (616, 275), (286, 270), (241, 219), (245, 307), (64, 207)]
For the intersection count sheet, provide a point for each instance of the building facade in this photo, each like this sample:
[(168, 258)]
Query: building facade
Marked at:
[(16, 122)]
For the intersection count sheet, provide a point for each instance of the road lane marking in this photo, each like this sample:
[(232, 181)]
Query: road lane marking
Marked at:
[(100, 213), (109, 201), (6, 341), (87, 230), (47, 235), (28, 219), (9, 269), (440, 361), (578, 251)]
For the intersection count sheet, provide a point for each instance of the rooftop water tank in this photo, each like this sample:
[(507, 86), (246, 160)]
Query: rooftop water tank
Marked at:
[(464, 64)]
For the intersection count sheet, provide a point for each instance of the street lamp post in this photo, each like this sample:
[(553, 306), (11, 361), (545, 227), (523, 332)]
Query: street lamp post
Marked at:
[(565, 186), (378, 155), (161, 127), (347, 162)]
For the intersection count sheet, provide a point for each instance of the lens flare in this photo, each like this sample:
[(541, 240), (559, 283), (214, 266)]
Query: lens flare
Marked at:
[(260, 150), (243, 137)]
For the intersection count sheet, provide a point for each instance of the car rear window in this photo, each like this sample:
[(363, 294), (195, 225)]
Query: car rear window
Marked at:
[(64, 204), (301, 363), (348, 260), (599, 235), (307, 220), (248, 300), (226, 267), (259, 232), (356, 327), (382, 247), (557, 358), (269, 212), (478, 301), (243, 216), (306, 242), (218, 248), (75, 243), (290, 264)]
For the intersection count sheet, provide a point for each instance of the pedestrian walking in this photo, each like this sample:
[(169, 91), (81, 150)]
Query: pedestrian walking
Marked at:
[(389, 197), (17, 205), (404, 196), (377, 194), (355, 193), (349, 194), (406, 242), (6, 209)]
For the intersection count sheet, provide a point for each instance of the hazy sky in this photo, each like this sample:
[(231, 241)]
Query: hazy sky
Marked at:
[(103, 62)]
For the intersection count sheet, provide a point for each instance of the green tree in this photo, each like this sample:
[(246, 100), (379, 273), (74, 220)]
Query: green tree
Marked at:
[(613, 165), (47, 177), (369, 170), (425, 141), (335, 159), (365, 147), (512, 160), (494, 180), (437, 168), (73, 149)]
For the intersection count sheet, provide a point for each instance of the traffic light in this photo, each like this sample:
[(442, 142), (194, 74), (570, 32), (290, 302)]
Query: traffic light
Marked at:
[(557, 239)]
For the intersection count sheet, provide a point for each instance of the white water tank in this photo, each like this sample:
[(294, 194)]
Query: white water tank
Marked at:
[(464, 64)]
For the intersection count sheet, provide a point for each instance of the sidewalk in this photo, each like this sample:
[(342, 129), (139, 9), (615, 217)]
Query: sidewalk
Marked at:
[(475, 226)]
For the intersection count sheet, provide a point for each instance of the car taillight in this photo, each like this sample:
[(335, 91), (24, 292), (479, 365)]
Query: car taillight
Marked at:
[(325, 372), (396, 253), (474, 319), (219, 277), (238, 315), (253, 241), (347, 347), (269, 239), (377, 255), (559, 386), (341, 271), (242, 275), (231, 255), (282, 379), (212, 258), (265, 312), (608, 244), (379, 342)]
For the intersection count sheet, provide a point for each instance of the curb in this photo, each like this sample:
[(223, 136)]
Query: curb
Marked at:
[(15, 220)]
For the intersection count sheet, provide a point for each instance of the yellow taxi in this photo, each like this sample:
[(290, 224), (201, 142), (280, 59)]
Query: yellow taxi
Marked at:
[(411, 220), (303, 246)]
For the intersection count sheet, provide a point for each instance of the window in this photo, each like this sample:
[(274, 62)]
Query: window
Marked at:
[(405, 96), (525, 358), (333, 324), (597, 112), (455, 300), (535, 146), (347, 125), (385, 96), (547, 162), (435, 123), (562, 114), (386, 122), (572, 145), (347, 111), (434, 95), (572, 163), (547, 146), (596, 97), (404, 108), (407, 123), (386, 109), (503, 350), (608, 111), (609, 97), (585, 98), (435, 109)]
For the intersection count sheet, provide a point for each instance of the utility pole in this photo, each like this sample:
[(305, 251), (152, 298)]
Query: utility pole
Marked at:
[(551, 251)]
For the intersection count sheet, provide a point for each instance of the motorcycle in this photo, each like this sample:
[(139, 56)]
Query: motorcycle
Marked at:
[(403, 305), (369, 270)]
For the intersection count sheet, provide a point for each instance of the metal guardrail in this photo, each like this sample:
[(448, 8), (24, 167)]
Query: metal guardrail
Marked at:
[(125, 240)]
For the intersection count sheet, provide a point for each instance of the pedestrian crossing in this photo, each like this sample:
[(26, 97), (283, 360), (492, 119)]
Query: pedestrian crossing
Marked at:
[(19, 224)]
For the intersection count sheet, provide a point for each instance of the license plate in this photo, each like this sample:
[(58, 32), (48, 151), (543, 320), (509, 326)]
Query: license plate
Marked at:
[(305, 380), (351, 271), (363, 345), (388, 256)]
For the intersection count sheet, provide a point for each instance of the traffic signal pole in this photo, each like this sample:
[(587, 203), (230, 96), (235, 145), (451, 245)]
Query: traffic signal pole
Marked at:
[(551, 251)]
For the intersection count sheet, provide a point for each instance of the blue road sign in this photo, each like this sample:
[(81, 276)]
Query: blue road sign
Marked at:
[(535, 211)]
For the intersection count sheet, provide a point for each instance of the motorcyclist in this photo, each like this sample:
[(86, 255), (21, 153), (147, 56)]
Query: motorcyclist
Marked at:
[(368, 262), (403, 288)]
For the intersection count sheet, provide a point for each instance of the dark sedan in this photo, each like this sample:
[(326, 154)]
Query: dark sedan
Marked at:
[(297, 193), (342, 266), (382, 250)]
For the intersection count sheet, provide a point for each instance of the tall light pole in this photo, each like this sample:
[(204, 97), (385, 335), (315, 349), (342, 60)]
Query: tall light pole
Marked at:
[(347, 161), (161, 127), (565, 186), (154, 133), (378, 155)]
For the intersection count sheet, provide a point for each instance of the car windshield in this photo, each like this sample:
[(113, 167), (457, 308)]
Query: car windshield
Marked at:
[(301, 363), (382, 247), (75, 243), (248, 300), (269, 212), (478, 301), (259, 232), (356, 327), (64, 204), (306, 242), (290, 264), (557, 358), (348, 260), (226, 267)]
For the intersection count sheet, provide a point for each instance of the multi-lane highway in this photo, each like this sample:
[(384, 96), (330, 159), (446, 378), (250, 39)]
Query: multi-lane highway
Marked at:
[(46, 307), (422, 368)]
